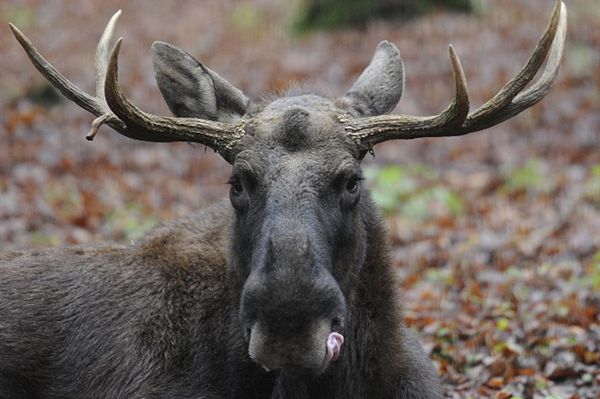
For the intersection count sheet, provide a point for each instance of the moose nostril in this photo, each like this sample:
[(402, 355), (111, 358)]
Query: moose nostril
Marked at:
[(247, 330), (336, 324)]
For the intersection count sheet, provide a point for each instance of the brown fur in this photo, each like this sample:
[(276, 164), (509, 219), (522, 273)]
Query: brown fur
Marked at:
[(157, 319)]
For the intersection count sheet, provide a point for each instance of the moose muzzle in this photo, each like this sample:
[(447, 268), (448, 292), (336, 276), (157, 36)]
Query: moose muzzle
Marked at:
[(312, 351), (292, 308)]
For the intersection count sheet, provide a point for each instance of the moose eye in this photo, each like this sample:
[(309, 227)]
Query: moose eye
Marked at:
[(239, 188), (236, 187), (352, 185), (350, 191)]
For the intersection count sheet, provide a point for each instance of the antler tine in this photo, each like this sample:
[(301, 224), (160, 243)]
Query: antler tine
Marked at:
[(95, 105), (511, 100), (103, 54), (508, 102), (372, 130), (144, 126), (101, 63), (57, 80)]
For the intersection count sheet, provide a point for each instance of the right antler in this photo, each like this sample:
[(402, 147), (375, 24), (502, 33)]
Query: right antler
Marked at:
[(455, 120), (112, 107)]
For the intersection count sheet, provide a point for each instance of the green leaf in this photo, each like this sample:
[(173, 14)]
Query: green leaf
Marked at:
[(389, 186), (449, 199), (502, 324), (525, 178)]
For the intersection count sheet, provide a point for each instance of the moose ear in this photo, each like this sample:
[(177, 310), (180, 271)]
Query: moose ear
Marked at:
[(379, 88), (192, 90)]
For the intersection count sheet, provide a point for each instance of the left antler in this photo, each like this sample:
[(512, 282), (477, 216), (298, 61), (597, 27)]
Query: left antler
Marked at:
[(96, 105), (112, 107)]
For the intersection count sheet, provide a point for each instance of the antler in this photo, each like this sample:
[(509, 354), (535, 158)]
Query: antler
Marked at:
[(96, 105), (217, 135), (112, 107), (455, 120)]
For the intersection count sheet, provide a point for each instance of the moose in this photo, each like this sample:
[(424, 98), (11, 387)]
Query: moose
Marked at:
[(286, 290)]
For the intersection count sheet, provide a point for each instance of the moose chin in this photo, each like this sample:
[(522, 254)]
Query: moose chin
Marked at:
[(285, 290)]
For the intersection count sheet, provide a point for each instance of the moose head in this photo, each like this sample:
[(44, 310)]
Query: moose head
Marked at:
[(300, 234)]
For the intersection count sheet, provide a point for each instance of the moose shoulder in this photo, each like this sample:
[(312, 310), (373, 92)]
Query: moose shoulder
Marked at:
[(286, 290)]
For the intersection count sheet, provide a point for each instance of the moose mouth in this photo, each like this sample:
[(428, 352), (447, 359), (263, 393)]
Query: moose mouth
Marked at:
[(313, 353)]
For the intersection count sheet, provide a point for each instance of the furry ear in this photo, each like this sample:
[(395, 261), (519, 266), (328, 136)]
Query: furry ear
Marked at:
[(192, 90), (379, 88)]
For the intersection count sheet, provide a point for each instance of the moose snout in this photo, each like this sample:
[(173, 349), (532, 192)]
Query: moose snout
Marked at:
[(291, 327), (292, 308), (311, 350), (293, 323)]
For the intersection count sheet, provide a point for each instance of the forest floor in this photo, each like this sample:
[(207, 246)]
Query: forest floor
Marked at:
[(496, 235)]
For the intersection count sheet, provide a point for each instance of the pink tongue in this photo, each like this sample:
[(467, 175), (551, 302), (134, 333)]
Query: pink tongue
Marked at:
[(334, 346)]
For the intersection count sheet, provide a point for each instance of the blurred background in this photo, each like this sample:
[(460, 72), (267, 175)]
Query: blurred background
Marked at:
[(496, 235)]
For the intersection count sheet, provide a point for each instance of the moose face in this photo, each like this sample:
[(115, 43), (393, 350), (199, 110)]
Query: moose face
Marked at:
[(298, 235)]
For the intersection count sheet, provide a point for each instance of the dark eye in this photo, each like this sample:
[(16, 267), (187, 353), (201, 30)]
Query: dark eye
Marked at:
[(236, 186), (352, 185), (349, 191), (237, 194)]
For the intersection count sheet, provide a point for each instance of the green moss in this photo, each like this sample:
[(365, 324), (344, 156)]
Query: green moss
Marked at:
[(329, 14), (131, 221), (532, 177), (413, 191)]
